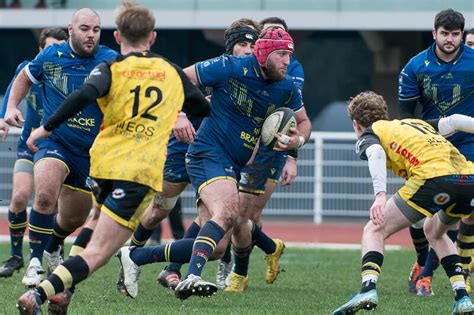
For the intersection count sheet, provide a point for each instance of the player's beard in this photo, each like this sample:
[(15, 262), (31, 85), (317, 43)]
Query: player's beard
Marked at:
[(76, 45), (448, 52), (273, 73)]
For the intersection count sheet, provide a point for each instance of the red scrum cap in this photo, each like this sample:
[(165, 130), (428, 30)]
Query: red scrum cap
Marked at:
[(270, 41)]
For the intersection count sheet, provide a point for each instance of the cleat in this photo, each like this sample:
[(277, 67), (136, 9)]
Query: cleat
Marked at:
[(58, 304), (53, 260), (29, 303), (120, 285), (238, 283), (415, 273), (423, 287), (10, 265), (367, 301), (273, 262), (34, 274), (223, 271), (194, 285), (131, 272), (169, 278), (463, 307)]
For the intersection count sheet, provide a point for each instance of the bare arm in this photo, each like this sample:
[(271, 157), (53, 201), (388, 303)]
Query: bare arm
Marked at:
[(191, 74), (20, 88)]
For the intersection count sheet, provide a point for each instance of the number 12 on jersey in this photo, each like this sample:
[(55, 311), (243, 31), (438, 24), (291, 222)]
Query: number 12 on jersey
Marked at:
[(152, 92)]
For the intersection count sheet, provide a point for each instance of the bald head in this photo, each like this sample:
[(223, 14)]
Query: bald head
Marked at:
[(84, 32), (84, 12)]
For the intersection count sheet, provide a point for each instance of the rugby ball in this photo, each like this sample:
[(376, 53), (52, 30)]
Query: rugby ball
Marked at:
[(280, 120)]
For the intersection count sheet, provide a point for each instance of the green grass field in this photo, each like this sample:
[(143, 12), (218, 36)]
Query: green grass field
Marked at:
[(315, 282)]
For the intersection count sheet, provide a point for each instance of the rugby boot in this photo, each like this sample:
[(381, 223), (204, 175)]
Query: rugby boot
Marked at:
[(34, 274), (273, 262), (29, 303), (194, 285), (131, 272), (423, 287), (367, 301), (58, 304), (238, 283), (10, 265), (463, 306), (169, 278), (223, 271), (415, 273)]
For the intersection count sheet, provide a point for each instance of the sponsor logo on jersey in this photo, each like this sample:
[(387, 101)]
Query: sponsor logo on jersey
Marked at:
[(413, 160), (118, 193), (441, 198), (145, 74)]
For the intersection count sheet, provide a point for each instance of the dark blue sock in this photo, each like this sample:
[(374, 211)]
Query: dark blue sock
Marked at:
[(178, 251), (262, 241), (191, 232), (227, 258), (40, 229), (420, 243), (242, 257), (17, 224), (141, 236), (432, 261), (57, 238), (206, 241)]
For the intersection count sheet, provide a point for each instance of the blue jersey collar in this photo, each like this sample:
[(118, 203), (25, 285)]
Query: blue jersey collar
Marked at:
[(434, 58)]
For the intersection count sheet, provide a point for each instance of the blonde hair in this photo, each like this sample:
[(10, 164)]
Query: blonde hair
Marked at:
[(134, 22), (367, 108)]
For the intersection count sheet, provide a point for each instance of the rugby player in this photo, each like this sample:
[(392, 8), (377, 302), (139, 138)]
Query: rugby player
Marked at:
[(127, 158), (437, 78), (245, 90), (439, 185), (23, 170), (62, 163)]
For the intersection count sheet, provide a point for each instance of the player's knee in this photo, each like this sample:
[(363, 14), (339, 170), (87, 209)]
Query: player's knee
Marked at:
[(371, 228), (19, 201), (44, 202)]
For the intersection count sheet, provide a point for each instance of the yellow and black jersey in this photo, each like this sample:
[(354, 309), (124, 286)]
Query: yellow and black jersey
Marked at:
[(414, 148), (140, 95)]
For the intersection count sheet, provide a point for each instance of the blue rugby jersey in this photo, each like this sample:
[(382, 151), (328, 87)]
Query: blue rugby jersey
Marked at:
[(443, 89), (241, 100), (34, 110), (62, 71), (295, 71)]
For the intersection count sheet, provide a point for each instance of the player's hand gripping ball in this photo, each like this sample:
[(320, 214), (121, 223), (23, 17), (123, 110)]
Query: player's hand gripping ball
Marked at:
[(280, 120)]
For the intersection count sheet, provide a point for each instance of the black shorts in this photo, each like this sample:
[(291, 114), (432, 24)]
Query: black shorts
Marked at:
[(123, 201)]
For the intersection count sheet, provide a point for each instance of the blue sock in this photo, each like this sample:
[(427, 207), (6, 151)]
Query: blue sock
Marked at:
[(141, 236), (421, 245), (17, 224), (40, 229), (206, 241), (57, 238), (432, 261), (191, 232), (227, 258), (179, 251), (242, 258), (262, 241)]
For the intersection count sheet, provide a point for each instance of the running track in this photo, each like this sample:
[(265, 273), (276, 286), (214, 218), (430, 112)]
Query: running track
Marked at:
[(300, 232)]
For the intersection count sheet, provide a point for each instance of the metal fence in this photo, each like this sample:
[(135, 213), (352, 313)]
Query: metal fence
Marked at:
[(332, 180)]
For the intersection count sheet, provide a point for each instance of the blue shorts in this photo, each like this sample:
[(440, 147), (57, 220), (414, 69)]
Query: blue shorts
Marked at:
[(206, 164), (175, 169), (22, 151), (78, 166), (267, 166)]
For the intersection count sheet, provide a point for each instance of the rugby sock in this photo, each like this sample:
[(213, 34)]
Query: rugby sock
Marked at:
[(432, 261), (206, 241), (241, 257), (227, 258), (57, 238), (178, 251), (17, 224), (421, 245), (262, 241), (465, 244), (141, 236), (70, 273), (81, 242), (452, 266), (40, 229), (371, 268), (191, 232)]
